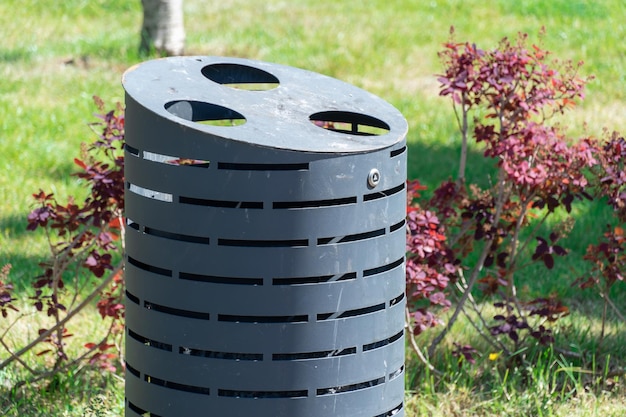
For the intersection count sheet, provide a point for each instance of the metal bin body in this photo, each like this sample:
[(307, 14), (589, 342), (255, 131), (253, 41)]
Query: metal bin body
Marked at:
[(265, 243)]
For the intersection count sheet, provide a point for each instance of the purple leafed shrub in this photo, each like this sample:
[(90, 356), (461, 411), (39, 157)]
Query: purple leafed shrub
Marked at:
[(85, 244), (466, 240)]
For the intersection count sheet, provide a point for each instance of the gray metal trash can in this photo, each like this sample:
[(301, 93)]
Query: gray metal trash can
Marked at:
[(265, 243)]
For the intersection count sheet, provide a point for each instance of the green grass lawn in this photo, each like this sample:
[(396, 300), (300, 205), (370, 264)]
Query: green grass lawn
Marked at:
[(55, 56)]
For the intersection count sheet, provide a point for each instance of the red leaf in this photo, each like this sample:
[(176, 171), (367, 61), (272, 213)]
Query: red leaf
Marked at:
[(80, 163), (116, 223), (119, 277), (105, 346)]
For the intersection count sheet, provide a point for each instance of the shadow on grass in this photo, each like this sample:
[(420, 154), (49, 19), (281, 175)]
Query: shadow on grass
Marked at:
[(433, 164), (15, 55), (64, 171), (15, 225), (24, 269)]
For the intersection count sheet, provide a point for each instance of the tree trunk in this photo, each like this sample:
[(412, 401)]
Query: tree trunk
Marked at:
[(162, 30)]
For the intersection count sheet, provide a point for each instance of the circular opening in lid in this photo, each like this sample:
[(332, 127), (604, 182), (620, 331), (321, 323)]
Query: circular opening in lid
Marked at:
[(241, 77)]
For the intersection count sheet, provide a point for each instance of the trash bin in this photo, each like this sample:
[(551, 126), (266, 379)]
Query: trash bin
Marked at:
[(265, 243)]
